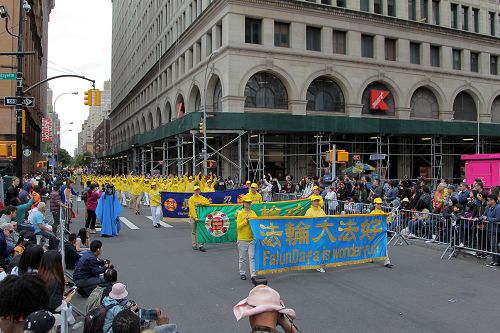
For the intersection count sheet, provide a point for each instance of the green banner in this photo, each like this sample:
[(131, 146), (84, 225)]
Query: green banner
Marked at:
[(217, 223)]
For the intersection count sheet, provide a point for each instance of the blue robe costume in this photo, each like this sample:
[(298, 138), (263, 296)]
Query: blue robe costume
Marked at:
[(108, 211)]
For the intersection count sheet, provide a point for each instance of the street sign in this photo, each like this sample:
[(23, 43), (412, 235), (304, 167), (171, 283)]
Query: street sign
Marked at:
[(7, 76), (377, 157), (46, 154), (27, 152), (28, 102)]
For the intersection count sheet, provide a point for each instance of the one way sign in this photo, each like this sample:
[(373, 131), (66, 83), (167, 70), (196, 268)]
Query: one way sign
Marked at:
[(28, 102)]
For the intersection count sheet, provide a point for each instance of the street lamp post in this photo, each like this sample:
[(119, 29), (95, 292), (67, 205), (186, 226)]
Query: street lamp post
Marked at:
[(205, 149)]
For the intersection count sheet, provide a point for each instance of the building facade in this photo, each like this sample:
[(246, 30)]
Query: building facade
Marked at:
[(35, 38), (413, 81)]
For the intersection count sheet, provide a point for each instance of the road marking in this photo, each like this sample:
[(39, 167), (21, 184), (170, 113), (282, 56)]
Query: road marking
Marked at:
[(128, 223), (163, 224)]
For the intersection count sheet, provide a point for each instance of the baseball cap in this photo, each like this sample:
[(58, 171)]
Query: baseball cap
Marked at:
[(39, 322)]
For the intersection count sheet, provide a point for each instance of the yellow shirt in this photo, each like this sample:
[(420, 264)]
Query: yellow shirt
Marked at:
[(192, 204), (154, 198), (315, 212), (189, 186), (243, 226), (136, 188), (256, 198), (321, 201), (380, 211)]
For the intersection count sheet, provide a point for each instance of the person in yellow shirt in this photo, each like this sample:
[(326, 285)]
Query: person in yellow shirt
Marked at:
[(247, 185), (135, 194), (189, 187), (317, 194), (196, 200), (246, 246), (377, 202), (155, 204), (209, 187), (253, 195), (316, 211), (145, 190)]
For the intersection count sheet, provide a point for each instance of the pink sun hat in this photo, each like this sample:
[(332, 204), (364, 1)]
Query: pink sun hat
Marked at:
[(119, 291), (261, 299)]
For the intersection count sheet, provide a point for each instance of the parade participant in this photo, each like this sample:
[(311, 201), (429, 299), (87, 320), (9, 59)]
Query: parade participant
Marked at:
[(146, 187), (317, 194), (91, 203), (190, 183), (265, 311), (246, 246), (108, 211), (253, 195), (194, 201), (135, 194), (247, 185), (155, 204), (316, 211), (377, 202), (209, 187)]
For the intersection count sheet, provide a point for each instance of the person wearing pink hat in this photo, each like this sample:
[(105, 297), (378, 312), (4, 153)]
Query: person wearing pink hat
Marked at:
[(265, 311), (115, 303)]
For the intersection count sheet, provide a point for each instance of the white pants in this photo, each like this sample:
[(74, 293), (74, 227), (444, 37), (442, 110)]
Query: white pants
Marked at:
[(124, 198), (145, 199), (246, 250), (156, 213)]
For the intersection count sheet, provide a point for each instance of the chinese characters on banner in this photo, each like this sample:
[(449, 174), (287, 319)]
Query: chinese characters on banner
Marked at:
[(46, 130), (283, 244)]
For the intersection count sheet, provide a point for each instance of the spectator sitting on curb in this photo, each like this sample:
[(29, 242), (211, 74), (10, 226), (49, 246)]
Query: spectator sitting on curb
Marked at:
[(39, 322), (30, 260), (71, 255), (128, 322), (89, 268)]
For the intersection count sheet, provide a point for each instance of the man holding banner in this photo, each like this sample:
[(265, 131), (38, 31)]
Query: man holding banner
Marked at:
[(246, 246), (377, 211), (316, 211), (196, 200)]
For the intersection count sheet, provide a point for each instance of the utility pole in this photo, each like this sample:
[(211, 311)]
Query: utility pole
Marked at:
[(19, 95)]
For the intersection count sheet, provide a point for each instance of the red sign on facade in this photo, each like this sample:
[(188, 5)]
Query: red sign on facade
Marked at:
[(47, 130), (377, 100), (180, 109)]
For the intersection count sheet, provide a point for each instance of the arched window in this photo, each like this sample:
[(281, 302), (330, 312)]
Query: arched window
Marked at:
[(424, 104), (464, 107), (197, 102), (179, 107), (158, 117), (150, 122), (143, 125), (264, 90), (495, 110), (217, 97), (168, 112), (325, 95), (376, 91)]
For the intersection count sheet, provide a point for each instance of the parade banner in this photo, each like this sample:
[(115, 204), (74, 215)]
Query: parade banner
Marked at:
[(175, 204), (288, 243), (218, 222)]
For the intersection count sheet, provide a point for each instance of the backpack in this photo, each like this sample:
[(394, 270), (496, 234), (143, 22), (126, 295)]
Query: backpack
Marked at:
[(94, 320), (94, 299)]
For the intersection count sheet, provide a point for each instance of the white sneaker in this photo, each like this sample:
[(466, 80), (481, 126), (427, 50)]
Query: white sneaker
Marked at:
[(321, 270), (411, 236), (461, 245)]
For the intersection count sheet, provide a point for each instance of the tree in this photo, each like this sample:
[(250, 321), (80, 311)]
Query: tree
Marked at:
[(84, 159), (64, 157)]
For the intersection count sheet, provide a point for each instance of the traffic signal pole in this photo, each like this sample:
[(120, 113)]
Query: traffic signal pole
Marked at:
[(19, 95)]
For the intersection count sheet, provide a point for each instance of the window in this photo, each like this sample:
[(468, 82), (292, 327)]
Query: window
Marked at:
[(435, 57), (424, 11), (325, 95), (391, 8), (435, 12), (364, 5), (492, 24), (493, 65), (415, 53), (465, 18), (390, 49), (424, 104), (454, 16), (475, 19), (474, 62), (217, 105), (264, 90), (412, 10), (377, 6), (313, 38), (281, 34), (341, 3), (339, 42), (464, 107), (253, 32), (367, 46), (326, 2), (457, 59)]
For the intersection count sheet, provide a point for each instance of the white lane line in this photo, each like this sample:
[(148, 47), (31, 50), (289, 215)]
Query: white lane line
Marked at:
[(163, 224), (128, 223)]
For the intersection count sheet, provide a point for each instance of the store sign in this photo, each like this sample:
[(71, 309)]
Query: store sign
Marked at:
[(47, 130), (377, 100)]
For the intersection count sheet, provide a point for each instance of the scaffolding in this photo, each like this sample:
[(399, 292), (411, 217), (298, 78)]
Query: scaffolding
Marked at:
[(437, 159), (255, 156)]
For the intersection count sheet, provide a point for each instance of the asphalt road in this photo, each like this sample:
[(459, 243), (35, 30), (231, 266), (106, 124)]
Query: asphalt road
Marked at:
[(198, 290)]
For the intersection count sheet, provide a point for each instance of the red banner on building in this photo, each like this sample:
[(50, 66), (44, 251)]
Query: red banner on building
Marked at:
[(180, 109), (377, 98), (46, 130)]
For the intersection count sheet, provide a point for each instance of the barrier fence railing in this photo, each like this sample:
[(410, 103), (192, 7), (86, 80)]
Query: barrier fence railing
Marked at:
[(285, 196)]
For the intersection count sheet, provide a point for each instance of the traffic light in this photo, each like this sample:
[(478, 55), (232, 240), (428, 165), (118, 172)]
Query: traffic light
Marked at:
[(87, 97), (97, 97), (342, 156), (202, 127)]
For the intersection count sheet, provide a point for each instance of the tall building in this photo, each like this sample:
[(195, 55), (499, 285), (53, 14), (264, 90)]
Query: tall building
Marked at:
[(55, 145), (35, 38), (406, 85), (96, 116)]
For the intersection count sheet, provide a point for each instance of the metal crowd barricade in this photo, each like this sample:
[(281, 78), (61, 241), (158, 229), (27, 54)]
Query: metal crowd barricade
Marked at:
[(421, 225), (284, 196), (474, 236)]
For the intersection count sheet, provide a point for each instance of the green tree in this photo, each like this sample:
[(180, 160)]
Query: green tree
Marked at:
[(64, 157), (84, 159)]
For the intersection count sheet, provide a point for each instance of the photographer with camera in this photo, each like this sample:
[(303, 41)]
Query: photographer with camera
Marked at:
[(89, 268), (266, 311)]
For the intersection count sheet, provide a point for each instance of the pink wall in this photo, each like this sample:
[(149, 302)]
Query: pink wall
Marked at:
[(483, 166)]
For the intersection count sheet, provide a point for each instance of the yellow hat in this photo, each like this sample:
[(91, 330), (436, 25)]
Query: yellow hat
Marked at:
[(248, 182), (316, 187), (247, 200), (378, 201), (209, 181), (254, 185), (196, 188), (153, 184), (314, 198), (190, 178)]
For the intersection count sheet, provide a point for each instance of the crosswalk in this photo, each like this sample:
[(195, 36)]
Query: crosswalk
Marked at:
[(132, 226)]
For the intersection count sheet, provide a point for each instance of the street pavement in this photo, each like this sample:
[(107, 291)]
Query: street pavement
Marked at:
[(422, 293)]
